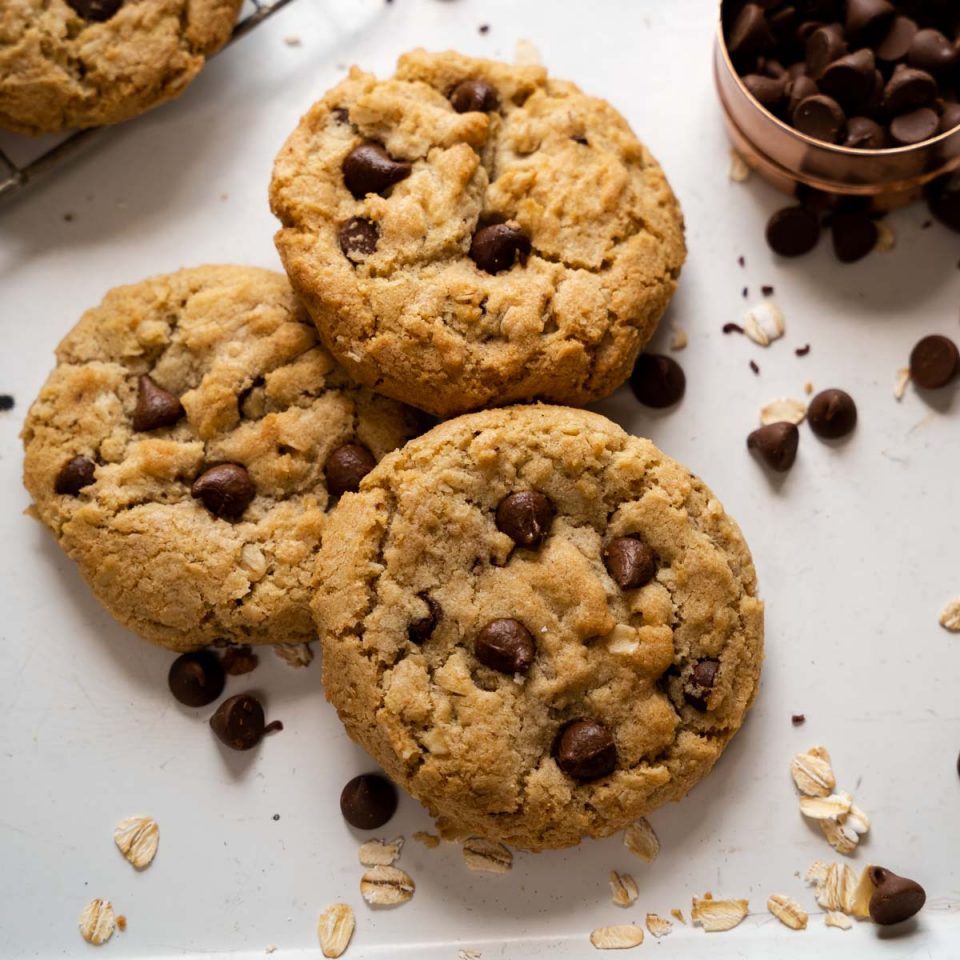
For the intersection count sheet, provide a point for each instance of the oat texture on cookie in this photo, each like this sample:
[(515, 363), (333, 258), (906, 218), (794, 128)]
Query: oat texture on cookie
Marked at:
[(540, 626), (182, 449), (470, 233), (81, 63)]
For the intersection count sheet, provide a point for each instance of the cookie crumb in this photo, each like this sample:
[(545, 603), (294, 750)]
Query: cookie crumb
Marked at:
[(677, 914), (294, 655), (292, 40), (121, 923), (950, 616), (886, 238), (430, 840), (900, 386), (678, 339), (738, 171), (239, 660), (526, 54), (808, 388)]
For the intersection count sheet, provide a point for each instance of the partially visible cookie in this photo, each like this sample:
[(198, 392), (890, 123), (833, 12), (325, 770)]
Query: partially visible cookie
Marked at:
[(81, 63), (471, 233), (540, 626), (186, 450)]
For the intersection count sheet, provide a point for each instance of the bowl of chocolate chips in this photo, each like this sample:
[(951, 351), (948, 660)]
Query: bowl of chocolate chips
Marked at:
[(850, 98)]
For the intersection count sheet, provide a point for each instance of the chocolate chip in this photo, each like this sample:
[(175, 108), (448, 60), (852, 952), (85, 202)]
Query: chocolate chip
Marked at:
[(868, 20), (340, 114), (820, 117), (908, 89), (750, 33), (895, 898), (943, 199), (498, 246), (658, 381), (156, 407), (895, 44), (854, 236), (832, 414), (754, 367), (368, 168), (226, 490), (930, 50), (767, 91), (793, 231), (824, 45), (915, 127), (368, 801), (798, 719), (850, 79), (6, 402), (865, 134), (421, 630), (473, 96), (776, 444), (196, 679), (700, 682), (74, 475), (525, 517), (585, 750), (358, 237), (802, 351), (630, 562), (239, 660), (506, 646), (239, 722), (346, 467), (732, 328), (97, 11), (934, 362)]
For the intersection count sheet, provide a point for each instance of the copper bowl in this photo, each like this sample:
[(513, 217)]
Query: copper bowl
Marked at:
[(787, 158)]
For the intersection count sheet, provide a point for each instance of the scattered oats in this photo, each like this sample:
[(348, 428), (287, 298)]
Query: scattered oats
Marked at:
[(718, 915), (812, 772), (739, 171), (335, 929), (764, 323), (678, 339), (816, 872), (380, 853), (677, 914), (835, 807), (842, 838), (886, 237), (860, 899), (96, 922), (487, 856), (782, 410), (429, 840), (252, 562), (836, 891), (900, 387), (137, 839), (659, 926), (617, 938), (787, 911), (808, 388), (640, 839), (294, 654), (623, 889), (526, 54), (839, 920), (386, 886), (270, 948), (469, 955), (950, 616), (623, 639), (292, 40)]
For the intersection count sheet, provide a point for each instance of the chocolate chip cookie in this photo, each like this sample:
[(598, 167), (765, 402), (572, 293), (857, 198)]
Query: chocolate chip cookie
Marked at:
[(471, 233), (81, 63), (186, 450), (542, 627)]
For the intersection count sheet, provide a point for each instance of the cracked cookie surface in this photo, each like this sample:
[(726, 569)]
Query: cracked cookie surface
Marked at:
[(634, 638), (237, 381), (386, 256), (88, 62)]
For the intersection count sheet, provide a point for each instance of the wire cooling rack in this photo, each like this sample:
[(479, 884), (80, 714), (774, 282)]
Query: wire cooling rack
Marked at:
[(15, 177)]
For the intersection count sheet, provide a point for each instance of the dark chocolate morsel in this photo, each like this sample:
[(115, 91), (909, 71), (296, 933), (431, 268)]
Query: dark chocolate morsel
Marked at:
[(525, 516), (934, 362), (419, 631), (96, 11), (473, 96), (658, 381), (358, 237), (368, 801), (368, 168), (895, 898), (700, 682), (776, 444), (156, 407), (239, 722), (498, 246), (832, 414), (585, 750), (346, 467), (793, 231), (226, 490), (196, 679), (74, 475), (505, 645), (630, 562)]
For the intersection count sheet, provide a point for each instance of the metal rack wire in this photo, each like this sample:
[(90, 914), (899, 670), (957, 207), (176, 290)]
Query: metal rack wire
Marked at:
[(15, 177)]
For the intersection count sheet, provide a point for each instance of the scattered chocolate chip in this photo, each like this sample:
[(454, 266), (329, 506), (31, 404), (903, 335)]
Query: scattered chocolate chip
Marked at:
[(767, 290), (820, 117), (498, 247), (746, 292), (368, 168), (895, 898), (368, 801), (776, 444), (732, 328), (934, 362), (196, 679), (473, 96), (484, 28), (506, 646), (74, 475), (750, 33), (583, 141), (832, 414), (275, 817), (793, 231), (630, 562), (358, 237), (585, 750), (238, 660), (754, 367), (346, 467), (525, 516), (742, 261), (895, 44), (6, 402), (930, 50), (915, 126), (864, 134), (798, 719), (156, 407), (421, 630), (226, 490), (96, 11), (238, 722), (907, 89), (854, 236), (658, 381), (868, 19), (702, 677)]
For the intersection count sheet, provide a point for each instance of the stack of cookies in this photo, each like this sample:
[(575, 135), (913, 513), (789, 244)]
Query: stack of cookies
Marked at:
[(540, 626)]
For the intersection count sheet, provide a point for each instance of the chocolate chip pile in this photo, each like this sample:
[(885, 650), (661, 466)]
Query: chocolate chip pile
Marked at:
[(867, 74)]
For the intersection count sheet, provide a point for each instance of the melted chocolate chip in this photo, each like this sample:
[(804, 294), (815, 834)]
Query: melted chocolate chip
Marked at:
[(346, 467), (421, 630), (358, 238), (196, 679), (96, 11), (506, 646), (226, 490), (368, 168), (473, 95), (239, 722), (498, 246), (585, 750), (156, 407), (525, 516), (697, 688), (74, 475), (368, 801), (630, 562)]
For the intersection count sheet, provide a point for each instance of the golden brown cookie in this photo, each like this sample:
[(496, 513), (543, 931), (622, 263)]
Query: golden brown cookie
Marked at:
[(540, 626), (471, 233), (81, 63), (187, 447)]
